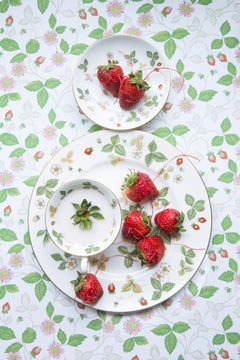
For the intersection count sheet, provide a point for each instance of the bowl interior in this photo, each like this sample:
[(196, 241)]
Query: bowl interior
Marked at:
[(66, 220)]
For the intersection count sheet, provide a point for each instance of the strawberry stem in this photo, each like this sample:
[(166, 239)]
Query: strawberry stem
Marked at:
[(186, 246), (113, 256)]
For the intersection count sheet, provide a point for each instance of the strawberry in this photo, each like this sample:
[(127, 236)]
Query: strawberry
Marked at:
[(169, 221), (110, 76), (138, 187), (150, 249), (132, 89), (136, 225), (211, 61), (87, 288)]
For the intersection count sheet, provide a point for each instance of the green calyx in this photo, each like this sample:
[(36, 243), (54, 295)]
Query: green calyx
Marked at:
[(179, 225), (84, 212), (79, 282), (129, 180), (137, 79), (110, 65)]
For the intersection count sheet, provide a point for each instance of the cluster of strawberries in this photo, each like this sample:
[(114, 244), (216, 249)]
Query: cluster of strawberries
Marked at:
[(136, 228), (129, 89)]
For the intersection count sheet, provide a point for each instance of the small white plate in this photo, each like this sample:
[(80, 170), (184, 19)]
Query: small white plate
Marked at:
[(70, 237), (133, 54)]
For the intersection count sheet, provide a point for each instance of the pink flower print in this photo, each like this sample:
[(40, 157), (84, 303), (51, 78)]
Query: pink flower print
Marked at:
[(71, 263), (55, 350), (56, 169), (47, 327), (17, 164), (236, 179), (14, 356), (6, 178), (58, 59), (145, 20), (16, 260), (50, 132), (187, 302), (186, 105), (178, 84), (108, 326), (133, 30), (186, 9), (18, 69), (236, 82), (132, 326), (237, 52), (115, 8), (6, 83), (5, 275), (50, 37), (237, 279)]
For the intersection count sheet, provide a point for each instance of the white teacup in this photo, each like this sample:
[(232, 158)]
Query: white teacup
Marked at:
[(67, 224)]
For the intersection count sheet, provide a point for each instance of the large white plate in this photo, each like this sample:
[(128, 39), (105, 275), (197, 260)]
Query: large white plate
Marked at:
[(107, 157), (133, 54)]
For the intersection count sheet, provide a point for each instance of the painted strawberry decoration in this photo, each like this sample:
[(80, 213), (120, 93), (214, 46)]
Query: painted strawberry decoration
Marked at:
[(132, 90), (169, 221), (150, 249), (110, 76), (138, 187), (87, 288), (136, 225)]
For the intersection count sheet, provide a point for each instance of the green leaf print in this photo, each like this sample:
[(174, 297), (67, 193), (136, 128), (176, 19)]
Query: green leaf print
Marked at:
[(206, 95), (6, 333), (9, 44), (76, 340), (31, 141), (32, 46), (225, 28), (207, 291), (61, 335), (13, 348), (42, 5), (8, 139), (7, 235), (18, 58), (231, 42), (29, 335), (96, 34), (144, 8)]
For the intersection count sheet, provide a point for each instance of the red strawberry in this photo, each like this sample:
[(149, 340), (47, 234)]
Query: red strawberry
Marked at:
[(150, 249), (110, 76), (222, 57), (211, 61), (224, 354), (138, 187), (136, 225), (169, 221), (132, 89), (87, 288)]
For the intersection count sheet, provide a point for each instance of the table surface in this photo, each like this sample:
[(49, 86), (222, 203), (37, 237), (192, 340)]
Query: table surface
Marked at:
[(40, 45)]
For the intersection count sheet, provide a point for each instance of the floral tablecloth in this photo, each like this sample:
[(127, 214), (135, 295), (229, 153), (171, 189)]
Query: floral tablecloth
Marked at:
[(40, 45)]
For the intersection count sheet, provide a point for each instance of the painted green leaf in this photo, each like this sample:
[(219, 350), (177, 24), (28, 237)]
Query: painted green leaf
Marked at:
[(119, 149), (232, 139), (63, 140), (35, 85), (31, 181), (117, 27), (3, 195), (13, 348), (192, 287), (207, 291), (17, 153), (227, 323), (225, 80), (60, 29), (231, 42), (217, 140), (14, 96), (233, 337), (50, 310), (225, 28), (12, 288), (180, 327), (9, 44), (180, 66), (52, 21), (170, 48), (32, 46), (13, 191), (161, 330), (226, 223), (211, 191), (58, 318), (60, 124), (170, 342), (6, 333), (3, 100), (232, 237), (227, 276), (206, 95), (16, 249), (7, 235), (232, 69), (42, 97), (32, 278), (29, 335), (162, 132), (96, 34), (76, 340), (8, 139), (52, 83), (43, 5), (64, 46), (233, 265), (218, 339), (2, 291), (102, 22), (217, 44), (31, 141), (226, 177), (232, 166), (161, 36), (18, 58), (141, 340), (168, 286), (61, 335), (180, 33), (189, 199), (145, 8), (192, 92), (4, 5), (78, 49), (95, 324), (188, 75), (204, 2), (40, 290), (128, 345), (218, 239), (226, 125)]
